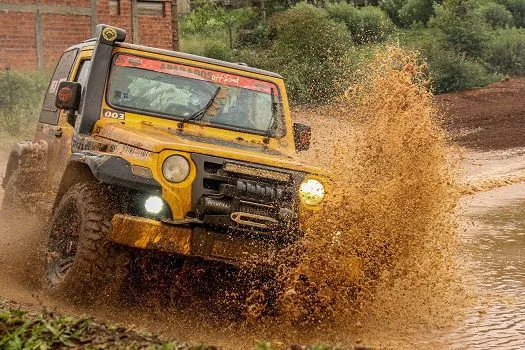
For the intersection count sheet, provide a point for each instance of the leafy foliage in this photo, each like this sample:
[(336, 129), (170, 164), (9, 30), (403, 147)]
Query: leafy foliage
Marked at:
[(416, 11), (408, 12), (392, 8), (21, 97), (210, 18), (496, 15), (464, 29), (506, 51), (517, 8), (308, 51), (366, 25)]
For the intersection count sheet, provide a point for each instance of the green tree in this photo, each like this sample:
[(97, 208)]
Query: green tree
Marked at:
[(392, 8), (463, 27), (517, 8), (309, 51), (497, 15), (368, 24), (416, 11), (506, 51)]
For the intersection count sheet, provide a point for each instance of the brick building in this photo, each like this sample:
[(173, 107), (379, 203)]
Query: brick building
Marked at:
[(33, 33)]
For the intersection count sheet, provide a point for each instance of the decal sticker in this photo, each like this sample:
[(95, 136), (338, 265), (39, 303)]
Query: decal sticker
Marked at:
[(181, 70), (130, 151), (109, 34), (107, 113)]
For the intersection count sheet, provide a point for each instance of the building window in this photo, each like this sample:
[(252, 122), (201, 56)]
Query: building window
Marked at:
[(114, 7), (150, 8)]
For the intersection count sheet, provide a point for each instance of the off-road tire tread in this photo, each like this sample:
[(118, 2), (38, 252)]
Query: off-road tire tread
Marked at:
[(100, 266)]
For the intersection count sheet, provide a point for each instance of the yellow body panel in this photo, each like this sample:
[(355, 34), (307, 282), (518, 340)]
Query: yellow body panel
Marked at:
[(147, 141)]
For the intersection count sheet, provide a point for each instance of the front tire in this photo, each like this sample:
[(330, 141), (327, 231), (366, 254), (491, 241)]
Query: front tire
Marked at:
[(81, 263)]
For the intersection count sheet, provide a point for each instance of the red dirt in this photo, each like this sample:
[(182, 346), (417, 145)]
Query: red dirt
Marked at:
[(489, 118)]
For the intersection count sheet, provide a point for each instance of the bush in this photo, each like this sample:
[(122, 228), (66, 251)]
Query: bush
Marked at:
[(451, 71), (366, 25), (308, 51), (416, 11), (376, 26), (506, 51), (21, 96), (260, 35), (464, 29), (345, 13), (517, 8), (217, 50), (497, 15), (392, 8), (210, 19)]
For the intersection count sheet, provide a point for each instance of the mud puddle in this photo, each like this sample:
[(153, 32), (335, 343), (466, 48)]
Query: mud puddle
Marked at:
[(494, 253)]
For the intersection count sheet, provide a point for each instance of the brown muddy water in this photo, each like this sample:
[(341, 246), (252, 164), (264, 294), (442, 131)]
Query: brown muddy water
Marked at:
[(494, 248)]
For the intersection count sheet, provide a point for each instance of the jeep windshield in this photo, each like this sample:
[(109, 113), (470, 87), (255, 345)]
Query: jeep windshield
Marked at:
[(179, 92)]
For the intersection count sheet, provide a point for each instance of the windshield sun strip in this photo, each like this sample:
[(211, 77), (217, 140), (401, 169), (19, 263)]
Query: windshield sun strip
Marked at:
[(180, 118)]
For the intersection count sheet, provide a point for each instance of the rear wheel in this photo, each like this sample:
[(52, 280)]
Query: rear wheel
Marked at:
[(81, 263)]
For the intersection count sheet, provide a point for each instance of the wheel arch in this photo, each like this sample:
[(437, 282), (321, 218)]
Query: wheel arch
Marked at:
[(107, 169), (26, 155), (75, 172)]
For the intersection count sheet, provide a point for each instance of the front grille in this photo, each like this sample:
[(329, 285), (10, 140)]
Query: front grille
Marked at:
[(243, 196)]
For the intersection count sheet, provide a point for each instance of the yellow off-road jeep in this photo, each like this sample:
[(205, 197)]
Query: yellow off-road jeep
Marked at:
[(161, 151)]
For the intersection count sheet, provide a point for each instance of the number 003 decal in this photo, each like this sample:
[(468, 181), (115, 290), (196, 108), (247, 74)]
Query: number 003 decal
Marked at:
[(114, 114)]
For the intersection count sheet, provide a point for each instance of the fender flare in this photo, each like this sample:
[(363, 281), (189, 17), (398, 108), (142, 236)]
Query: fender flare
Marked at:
[(105, 168), (28, 156)]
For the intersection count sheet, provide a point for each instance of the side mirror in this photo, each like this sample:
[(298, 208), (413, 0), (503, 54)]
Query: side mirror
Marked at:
[(302, 135), (68, 95)]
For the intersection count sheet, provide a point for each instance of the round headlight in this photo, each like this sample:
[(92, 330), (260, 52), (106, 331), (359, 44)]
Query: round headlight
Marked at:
[(176, 168), (311, 192)]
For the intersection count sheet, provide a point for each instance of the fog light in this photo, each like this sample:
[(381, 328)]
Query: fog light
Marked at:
[(153, 204), (311, 192)]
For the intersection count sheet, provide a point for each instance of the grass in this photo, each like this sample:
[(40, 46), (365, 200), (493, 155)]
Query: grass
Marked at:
[(48, 330)]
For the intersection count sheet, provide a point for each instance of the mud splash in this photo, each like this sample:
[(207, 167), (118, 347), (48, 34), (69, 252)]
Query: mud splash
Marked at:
[(381, 248), (380, 253)]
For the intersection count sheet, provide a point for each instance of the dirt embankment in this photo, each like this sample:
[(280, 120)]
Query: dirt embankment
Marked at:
[(487, 119)]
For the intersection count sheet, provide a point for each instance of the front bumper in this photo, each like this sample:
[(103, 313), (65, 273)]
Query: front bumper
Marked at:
[(190, 240)]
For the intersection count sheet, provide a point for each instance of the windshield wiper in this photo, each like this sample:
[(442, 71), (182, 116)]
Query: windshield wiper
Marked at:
[(201, 112)]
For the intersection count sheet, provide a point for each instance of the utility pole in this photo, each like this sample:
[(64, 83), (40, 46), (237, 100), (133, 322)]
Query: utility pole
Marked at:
[(174, 26)]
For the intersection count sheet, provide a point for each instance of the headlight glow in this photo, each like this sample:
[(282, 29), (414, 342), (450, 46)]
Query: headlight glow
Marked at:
[(311, 192), (175, 168), (153, 204)]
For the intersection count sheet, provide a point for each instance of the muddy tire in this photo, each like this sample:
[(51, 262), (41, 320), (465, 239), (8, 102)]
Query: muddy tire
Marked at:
[(81, 264)]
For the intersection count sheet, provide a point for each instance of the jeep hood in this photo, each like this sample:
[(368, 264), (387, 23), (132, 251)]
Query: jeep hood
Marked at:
[(155, 139)]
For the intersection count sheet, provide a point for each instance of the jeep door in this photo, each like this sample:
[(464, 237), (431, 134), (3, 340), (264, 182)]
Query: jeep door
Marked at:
[(53, 126)]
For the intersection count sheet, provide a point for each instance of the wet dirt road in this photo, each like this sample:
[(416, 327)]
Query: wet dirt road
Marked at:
[(492, 251)]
